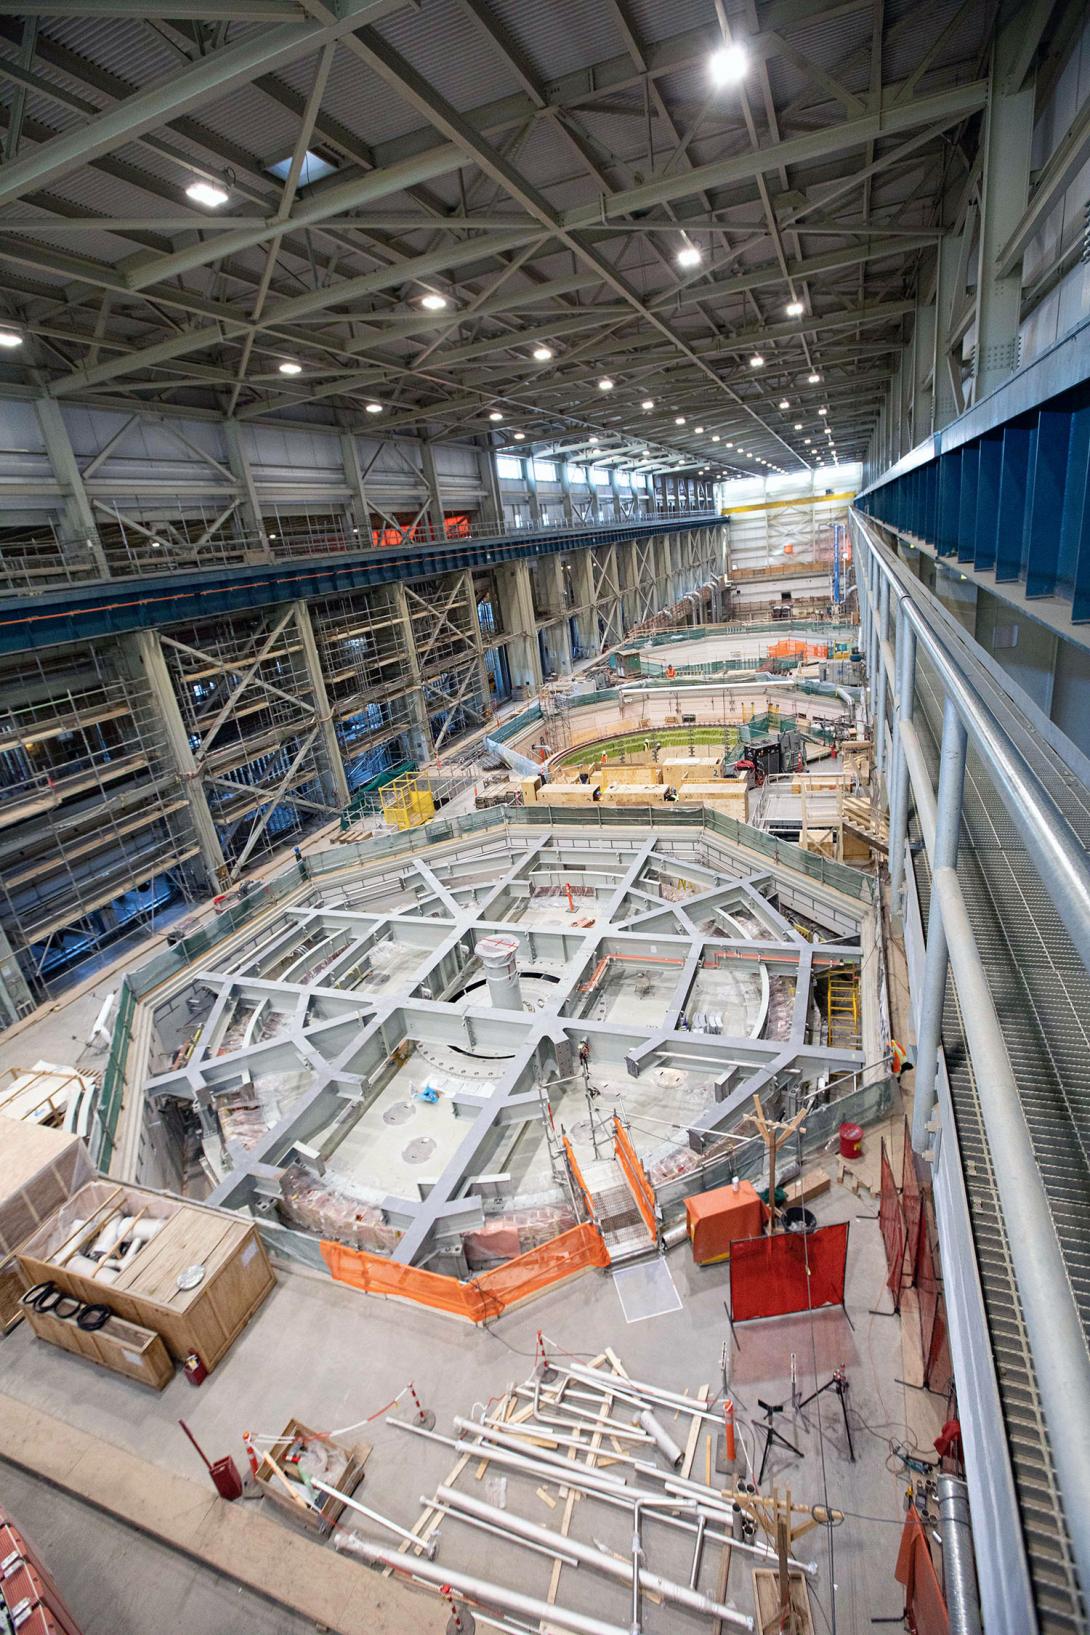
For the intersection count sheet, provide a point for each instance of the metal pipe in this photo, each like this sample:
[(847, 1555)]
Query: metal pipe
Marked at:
[(670, 1399), (958, 1567), (947, 831), (1058, 1346), (558, 1554), (662, 1439), (476, 1589), (698, 1551), (427, 1545), (522, 1528)]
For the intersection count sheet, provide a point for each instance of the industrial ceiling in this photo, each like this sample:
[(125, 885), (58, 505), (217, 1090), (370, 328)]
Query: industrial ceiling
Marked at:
[(635, 229)]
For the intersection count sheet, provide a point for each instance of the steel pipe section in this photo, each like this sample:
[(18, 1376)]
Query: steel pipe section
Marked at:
[(958, 1568)]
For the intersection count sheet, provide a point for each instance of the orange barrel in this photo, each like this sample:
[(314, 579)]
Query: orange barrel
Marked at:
[(851, 1140)]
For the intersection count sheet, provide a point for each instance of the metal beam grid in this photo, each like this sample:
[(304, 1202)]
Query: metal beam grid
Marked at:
[(1006, 890), (371, 679), (515, 199), (90, 811), (1008, 492)]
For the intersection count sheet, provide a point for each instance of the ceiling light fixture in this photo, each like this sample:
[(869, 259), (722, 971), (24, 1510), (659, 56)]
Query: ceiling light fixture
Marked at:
[(794, 309), (798, 425), (823, 411), (433, 302), (679, 420), (648, 403), (605, 384), (715, 437), (728, 65), (813, 379), (374, 408), (495, 417), (9, 339), (689, 256), (593, 439), (783, 403), (520, 437), (697, 430), (756, 361), (207, 193), (291, 368), (542, 354)]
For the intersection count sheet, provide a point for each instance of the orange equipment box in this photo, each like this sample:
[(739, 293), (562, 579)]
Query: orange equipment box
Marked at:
[(716, 1218)]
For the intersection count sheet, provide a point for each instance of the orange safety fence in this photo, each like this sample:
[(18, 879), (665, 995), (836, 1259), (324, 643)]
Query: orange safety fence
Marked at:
[(484, 1297), (577, 1176), (891, 1224), (636, 1176), (925, 1605), (791, 1271)]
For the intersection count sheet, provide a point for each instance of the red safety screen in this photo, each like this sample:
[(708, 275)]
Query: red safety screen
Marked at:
[(891, 1224), (939, 1370), (925, 1607), (793, 1271), (927, 1289), (910, 1198)]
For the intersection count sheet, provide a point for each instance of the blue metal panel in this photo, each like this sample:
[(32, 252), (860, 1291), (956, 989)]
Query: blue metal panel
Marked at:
[(946, 536), (1076, 512), (82, 613), (1012, 501), (987, 500), (1044, 508), (970, 466)]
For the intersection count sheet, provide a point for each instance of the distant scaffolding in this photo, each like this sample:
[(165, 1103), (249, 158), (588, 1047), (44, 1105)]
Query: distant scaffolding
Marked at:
[(556, 716)]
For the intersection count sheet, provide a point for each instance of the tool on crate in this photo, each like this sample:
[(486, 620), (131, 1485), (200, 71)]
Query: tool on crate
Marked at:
[(224, 1472)]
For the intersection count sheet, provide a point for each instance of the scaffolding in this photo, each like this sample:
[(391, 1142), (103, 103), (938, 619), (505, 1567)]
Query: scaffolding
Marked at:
[(407, 801)]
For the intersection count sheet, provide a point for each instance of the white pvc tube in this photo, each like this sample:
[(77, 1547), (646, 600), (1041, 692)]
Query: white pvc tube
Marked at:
[(427, 1545), (662, 1439)]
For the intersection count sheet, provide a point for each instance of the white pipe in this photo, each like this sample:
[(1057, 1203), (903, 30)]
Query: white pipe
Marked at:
[(476, 1589), (554, 1552), (662, 1439), (427, 1545), (638, 1388), (522, 1528)]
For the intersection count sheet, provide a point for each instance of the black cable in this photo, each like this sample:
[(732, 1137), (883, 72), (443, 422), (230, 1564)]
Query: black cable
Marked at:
[(32, 1296), (50, 1299), (77, 1306), (92, 1318)]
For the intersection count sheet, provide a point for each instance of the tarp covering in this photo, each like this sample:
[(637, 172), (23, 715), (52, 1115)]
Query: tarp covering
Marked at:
[(792, 1271), (715, 1219)]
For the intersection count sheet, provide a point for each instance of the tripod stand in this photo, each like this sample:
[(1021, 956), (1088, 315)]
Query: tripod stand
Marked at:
[(839, 1384), (771, 1434)]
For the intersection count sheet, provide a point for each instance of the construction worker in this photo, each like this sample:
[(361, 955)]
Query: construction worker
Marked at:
[(899, 1059)]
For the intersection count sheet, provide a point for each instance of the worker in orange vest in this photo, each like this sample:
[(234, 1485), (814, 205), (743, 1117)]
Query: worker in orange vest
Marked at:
[(899, 1058), (670, 672)]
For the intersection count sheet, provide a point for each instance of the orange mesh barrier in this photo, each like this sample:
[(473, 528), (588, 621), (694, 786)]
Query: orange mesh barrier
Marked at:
[(484, 1297), (925, 1606), (910, 1199), (891, 1224), (636, 1176), (792, 1271), (577, 1176)]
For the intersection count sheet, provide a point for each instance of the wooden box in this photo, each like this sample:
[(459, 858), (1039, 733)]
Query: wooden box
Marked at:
[(39, 1168), (205, 1319), (136, 1352), (321, 1522)]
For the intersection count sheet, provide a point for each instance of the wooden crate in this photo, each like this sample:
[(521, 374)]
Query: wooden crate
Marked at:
[(206, 1319), (127, 1349), (39, 1168), (274, 1490)]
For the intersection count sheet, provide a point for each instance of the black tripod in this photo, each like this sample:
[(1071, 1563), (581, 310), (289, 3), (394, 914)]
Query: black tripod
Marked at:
[(839, 1384), (771, 1434)]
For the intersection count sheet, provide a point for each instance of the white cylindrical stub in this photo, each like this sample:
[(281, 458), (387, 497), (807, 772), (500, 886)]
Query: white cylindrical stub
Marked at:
[(661, 1437), (499, 956)]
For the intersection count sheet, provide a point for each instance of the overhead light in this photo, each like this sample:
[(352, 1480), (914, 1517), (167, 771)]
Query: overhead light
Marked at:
[(207, 193), (542, 354), (679, 420), (823, 411), (783, 403), (697, 430), (689, 256), (813, 379), (374, 408), (593, 439), (798, 425), (605, 384), (730, 445), (156, 544), (291, 368), (794, 309), (715, 437), (495, 416), (520, 437), (10, 339), (756, 361), (806, 440), (728, 64), (433, 302), (648, 403)]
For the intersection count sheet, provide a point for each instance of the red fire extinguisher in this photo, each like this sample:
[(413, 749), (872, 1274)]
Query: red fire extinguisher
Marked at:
[(195, 1371)]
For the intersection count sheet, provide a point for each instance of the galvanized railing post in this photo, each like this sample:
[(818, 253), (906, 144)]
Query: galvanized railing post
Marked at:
[(898, 806)]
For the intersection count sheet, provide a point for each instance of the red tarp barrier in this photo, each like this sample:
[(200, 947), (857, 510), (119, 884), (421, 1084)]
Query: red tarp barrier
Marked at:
[(793, 1271), (910, 1198), (927, 1290), (939, 1368), (925, 1606), (891, 1224)]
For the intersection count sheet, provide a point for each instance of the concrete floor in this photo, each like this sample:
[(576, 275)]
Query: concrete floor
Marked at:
[(111, 1576), (334, 1357)]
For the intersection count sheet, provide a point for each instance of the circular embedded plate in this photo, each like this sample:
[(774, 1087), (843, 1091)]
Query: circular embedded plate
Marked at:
[(190, 1278), (419, 1149), (399, 1113)]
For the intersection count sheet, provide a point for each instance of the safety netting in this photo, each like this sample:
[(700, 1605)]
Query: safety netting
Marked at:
[(636, 1176), (891, 1224), (788, 1272)]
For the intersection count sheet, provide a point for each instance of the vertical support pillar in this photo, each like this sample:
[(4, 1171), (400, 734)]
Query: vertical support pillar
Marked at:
[(436, 514), (565, 491), (530, 476), (146, 653), (1004, 193), (948, 296), (923, 357), (898, 810), (249, 504), (420, 731), (77, 511), (359, 510), (333, 777), (490, 486), (947, 828)]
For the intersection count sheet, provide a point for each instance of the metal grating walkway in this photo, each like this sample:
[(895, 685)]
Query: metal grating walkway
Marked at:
[(1042, 994)]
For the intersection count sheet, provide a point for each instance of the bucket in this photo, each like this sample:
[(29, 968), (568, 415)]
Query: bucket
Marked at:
[(798, 1219), (851, 1140)]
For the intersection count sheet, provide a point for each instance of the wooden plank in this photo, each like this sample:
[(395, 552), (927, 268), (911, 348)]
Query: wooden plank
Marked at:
[(695, 1427)]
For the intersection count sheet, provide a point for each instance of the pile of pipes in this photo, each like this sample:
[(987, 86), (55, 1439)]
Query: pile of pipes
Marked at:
[(590, 1433)]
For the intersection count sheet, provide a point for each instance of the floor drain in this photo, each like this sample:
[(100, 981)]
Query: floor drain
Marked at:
[(399, 1113), (419, 1149)]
